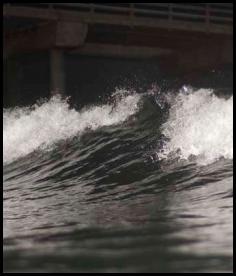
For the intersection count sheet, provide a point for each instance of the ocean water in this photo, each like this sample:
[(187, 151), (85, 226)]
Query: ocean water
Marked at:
[(142, 182)]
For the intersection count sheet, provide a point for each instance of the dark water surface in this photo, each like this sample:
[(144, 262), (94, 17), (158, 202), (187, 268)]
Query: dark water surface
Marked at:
[(103, 190)]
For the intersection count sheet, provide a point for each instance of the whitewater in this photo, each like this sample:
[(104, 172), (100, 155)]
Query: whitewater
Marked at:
[(191, 114), (137, 182)]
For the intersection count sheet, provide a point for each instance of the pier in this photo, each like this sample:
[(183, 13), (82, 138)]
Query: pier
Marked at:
[(183, 37)]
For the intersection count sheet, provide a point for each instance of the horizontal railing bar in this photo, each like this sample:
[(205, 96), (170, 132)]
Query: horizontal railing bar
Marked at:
[(187, 7), (127, 9), (170, 4), (182, 6), (94, 6), (195, 16), (136, 12), (189, 16)]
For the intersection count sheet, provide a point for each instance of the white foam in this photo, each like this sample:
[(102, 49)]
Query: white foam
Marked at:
[(40, 127), (200, 124)]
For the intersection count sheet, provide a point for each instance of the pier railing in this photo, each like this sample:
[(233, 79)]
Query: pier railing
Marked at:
[(210, 17)]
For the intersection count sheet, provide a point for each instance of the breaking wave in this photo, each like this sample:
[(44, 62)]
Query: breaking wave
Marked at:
[(43, 125), (200, 124)]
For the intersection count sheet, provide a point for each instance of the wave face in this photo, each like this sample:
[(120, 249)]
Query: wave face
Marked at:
[(142, 183)]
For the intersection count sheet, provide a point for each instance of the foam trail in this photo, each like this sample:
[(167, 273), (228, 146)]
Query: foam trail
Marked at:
[(200, 124), (28, 129)]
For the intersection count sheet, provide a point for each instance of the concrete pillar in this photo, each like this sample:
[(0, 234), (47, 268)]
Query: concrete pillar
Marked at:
[(57, 74)]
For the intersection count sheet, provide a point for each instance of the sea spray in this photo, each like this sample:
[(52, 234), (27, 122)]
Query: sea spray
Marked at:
[(42, 125), (200, 124)]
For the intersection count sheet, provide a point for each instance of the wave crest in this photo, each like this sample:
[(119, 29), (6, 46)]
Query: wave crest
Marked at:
[(28, 129), (200, 124)]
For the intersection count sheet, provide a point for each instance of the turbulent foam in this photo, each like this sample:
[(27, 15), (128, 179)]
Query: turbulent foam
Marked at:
[(28, 129), (200, 124)]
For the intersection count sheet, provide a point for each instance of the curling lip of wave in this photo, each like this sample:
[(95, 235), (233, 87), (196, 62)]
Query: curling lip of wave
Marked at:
[(28, 129)]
